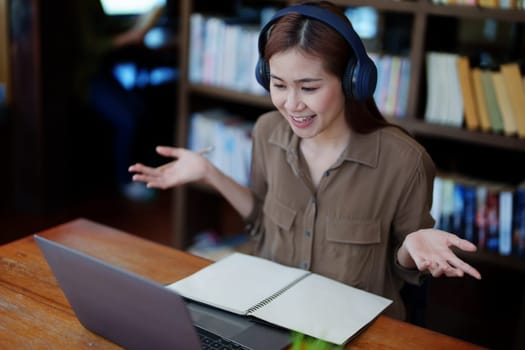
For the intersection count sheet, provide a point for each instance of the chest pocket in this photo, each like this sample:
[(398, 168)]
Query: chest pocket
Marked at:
[(279, 214), (359, 232), (278, 243), (354, 251)]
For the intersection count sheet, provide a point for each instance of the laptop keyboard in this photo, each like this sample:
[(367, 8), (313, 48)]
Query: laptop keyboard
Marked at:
[(210, 341)]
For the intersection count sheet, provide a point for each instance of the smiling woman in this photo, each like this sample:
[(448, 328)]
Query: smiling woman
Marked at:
[(335, 189)]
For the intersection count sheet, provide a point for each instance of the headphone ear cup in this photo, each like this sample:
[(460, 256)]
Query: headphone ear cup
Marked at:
[(359, 80), (365, 80), (262, 73), (348, 78)]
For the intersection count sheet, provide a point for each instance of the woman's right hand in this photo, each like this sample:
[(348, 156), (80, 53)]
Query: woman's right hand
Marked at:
[(187, 167)]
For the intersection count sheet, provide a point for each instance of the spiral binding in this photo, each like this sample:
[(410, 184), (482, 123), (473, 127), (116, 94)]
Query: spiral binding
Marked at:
[(274, 296)]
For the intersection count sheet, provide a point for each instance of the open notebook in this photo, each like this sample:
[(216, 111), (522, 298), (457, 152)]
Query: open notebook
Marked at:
[(289, 297)]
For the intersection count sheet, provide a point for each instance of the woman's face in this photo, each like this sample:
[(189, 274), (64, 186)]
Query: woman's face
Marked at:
[(310, 98)]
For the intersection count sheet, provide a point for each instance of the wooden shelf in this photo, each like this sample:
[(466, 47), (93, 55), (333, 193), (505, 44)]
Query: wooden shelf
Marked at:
[(493, 258), (474, 12), (422, 15), (232, 95), (418, 127), (382, 5), (425, 7), (421, 10)]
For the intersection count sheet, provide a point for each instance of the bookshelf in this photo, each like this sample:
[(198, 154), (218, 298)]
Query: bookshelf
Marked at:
[(423, 15), (429, 27)]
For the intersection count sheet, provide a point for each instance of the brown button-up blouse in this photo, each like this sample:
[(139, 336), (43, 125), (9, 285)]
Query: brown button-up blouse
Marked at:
[(350, 227)]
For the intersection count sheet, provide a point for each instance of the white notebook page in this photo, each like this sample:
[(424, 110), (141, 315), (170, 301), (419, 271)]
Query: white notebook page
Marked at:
[(237, 283), (323, 308)]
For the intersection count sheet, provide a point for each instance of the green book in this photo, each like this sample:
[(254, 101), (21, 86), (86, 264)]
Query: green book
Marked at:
[(491, 100)]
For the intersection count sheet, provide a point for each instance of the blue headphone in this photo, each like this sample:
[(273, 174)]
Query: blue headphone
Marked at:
[(360, 76)]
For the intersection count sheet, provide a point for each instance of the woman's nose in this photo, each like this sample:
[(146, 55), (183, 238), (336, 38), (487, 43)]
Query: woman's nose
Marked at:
[(293, 101)]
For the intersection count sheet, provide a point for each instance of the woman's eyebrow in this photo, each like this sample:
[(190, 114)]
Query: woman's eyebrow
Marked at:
[(303, 80)]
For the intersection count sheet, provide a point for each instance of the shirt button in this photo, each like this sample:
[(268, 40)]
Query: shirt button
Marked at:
[(307, 233), (326, 173)]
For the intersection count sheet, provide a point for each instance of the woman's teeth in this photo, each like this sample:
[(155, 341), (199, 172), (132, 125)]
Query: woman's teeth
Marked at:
[(301, 119)]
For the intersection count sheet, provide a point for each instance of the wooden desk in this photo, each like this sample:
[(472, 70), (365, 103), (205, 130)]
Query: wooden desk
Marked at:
[(35, 314)]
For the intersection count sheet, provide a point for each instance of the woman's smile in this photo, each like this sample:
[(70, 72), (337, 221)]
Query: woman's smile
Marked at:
[(302, 122)]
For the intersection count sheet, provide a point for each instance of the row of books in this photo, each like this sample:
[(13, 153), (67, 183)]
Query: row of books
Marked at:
[(393, 82), (230, 137), (490, 215), (503, 4), (462, 95), (224, 52)]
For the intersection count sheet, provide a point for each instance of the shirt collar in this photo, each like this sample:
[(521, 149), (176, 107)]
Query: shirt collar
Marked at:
[(362, 148)]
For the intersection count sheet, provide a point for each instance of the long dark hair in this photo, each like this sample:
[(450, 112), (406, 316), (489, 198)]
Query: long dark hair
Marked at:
[(315, 38)]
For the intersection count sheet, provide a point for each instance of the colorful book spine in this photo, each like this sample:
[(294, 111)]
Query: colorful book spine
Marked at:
[(505, 222), (518, 241)]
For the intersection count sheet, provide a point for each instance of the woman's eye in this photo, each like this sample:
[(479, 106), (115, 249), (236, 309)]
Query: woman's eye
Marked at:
[(309, 89), (278, 86)]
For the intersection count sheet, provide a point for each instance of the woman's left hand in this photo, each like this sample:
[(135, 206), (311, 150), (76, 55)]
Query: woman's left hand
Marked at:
[(430, 250)]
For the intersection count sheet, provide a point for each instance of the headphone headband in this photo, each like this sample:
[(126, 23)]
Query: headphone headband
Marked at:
[(316, 12)]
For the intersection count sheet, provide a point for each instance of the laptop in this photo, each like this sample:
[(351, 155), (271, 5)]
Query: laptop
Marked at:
[(137, 313)]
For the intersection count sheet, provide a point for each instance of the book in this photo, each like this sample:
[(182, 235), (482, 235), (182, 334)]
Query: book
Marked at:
[(393, 86), (512, 76), (383, 82), (493, 108), (196, 47), (469, 206), (288, 297), (481, 216), (437, 201), (492, 211), (447, 204), (453, 102), (467, 93), (507, 114), (434, 89), (458, 212), (505, 221), (444, 101), (488, 3), (507, 4), (404, 87), (480, 99)]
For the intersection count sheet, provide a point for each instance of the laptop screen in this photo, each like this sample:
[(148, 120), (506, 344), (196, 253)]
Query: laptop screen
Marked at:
[(129, 7), (138, 313)]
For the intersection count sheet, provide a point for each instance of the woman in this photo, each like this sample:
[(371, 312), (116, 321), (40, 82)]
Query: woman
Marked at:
[(335, 188)]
